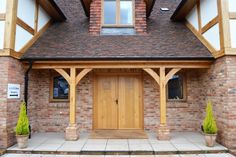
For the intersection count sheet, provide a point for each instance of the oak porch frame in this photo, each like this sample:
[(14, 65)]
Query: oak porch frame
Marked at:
[(160, 78)]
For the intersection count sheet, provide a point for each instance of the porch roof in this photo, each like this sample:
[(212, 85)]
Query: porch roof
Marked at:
[(70, 40)]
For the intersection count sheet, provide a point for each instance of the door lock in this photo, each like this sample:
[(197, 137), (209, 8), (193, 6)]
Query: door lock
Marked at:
[(116, 101)]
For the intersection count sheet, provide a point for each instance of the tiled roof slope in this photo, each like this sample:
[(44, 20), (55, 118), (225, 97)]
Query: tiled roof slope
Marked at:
[(164, 40)]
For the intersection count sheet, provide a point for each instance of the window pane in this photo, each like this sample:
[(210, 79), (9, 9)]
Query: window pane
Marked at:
[(60, 88), (126, 13), (175, 87), (109, 11)]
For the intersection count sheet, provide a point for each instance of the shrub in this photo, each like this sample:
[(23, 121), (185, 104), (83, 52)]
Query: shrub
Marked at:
[(22, 127), (209, 123)]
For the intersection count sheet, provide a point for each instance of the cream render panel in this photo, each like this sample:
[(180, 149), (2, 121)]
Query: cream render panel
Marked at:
[(209, 10), (26, 11), (3, 6), (232, 5), (2, 29), (233, 33), (192, 18), (22, 38), (213, 36), (43, 18)]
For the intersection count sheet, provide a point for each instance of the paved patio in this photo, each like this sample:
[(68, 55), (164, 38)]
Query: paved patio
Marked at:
[(183, 155), (180, 143)]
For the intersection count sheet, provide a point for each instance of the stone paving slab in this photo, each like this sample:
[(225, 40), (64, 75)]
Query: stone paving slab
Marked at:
[(180, 155), (180, 143)]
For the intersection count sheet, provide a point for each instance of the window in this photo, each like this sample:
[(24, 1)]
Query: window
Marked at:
[(176, 88), (118, 13), (59, 89)]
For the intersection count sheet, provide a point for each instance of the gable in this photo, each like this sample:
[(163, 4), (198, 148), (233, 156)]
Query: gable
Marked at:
[(23, 21), (212, 21)]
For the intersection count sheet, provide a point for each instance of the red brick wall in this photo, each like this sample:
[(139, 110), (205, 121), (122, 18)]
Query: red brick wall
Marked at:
[(219, 85), (54, 116), (182, 116), (96, 17), (11, 72)]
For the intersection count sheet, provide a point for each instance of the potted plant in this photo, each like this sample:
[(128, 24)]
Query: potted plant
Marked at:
[(209, 126), (22, 127)]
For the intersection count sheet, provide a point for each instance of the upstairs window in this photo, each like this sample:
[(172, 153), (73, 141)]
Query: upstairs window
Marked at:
[(118, 13)]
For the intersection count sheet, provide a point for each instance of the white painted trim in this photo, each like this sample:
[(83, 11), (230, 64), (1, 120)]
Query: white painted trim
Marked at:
[(3, 5), (213, 36), (22, 38), (209, 11), (233, 33), (26, 11), (192, 18), (2, 29), (43, 18), (232, 5)]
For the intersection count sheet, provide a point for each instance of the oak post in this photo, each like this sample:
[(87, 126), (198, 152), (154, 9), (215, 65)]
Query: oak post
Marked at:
[(162, 97), (72, 131), (10, 25), (72, 96)]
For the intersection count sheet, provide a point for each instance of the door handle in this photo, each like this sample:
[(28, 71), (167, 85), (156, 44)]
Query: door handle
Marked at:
[(116, 101)]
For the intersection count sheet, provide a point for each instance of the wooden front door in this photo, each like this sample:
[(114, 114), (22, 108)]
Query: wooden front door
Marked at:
[(118, 102)]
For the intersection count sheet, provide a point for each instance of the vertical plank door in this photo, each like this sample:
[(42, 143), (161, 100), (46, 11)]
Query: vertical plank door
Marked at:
[(106, 105), (130, 102)]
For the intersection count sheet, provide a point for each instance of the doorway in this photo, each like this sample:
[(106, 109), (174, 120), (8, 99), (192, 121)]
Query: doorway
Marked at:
[(118, 102)]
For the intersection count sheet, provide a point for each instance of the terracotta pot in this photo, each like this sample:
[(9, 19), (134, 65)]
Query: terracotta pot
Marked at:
[(22, 141), (210, 139)]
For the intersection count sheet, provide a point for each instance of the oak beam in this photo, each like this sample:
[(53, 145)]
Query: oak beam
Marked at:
[(232, 15), (162, 96), (120, 64), (82, 74), (10, 24), (64, 74), (171, 74), (25, 26), (210, 24), (223, 10), (2, 17), (199, 17), (153, 74), (36, 16), (72, 96)]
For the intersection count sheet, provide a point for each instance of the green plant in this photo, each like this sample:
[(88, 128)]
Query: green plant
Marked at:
[(209, 123), (22, 127)]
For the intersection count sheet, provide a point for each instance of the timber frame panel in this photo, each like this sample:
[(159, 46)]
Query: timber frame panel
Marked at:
[(11, 21), (222, 19)]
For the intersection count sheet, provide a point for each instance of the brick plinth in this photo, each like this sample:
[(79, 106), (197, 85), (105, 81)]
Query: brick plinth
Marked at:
[(163, 133), (72, 133)]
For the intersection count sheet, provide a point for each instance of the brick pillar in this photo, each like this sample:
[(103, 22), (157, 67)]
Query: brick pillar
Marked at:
[(72, 132), (163, 132)]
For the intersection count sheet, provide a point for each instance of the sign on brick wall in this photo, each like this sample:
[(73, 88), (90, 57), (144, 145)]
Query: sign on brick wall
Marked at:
[(13, 91)]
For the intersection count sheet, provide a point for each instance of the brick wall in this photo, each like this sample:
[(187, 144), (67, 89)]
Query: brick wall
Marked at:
[(182, 116), (11, 72), (219, 85), (96, 17)]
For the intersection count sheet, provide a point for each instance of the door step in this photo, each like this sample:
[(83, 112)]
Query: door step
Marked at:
[(116, 152), (118, 134)]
